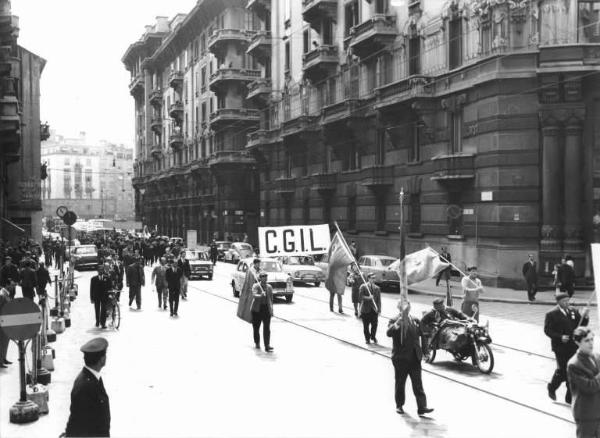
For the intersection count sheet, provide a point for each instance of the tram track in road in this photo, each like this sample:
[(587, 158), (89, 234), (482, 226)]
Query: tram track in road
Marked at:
[(386, 352)]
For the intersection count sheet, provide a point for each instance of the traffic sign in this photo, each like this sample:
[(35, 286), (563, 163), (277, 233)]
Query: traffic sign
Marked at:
[(60, 211), (20, 319), (69, 218)]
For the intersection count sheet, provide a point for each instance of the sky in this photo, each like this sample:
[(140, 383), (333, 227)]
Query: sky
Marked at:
[(85, 86)]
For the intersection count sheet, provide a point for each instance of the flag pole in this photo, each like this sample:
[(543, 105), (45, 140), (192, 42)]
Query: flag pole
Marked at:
[(402, 277), (347, 249), (454, 266)]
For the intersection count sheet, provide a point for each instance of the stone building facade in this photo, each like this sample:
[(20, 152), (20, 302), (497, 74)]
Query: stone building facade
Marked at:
[(485, 113)]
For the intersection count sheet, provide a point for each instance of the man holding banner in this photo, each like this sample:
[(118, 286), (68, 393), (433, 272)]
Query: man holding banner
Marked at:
[(339, 259)]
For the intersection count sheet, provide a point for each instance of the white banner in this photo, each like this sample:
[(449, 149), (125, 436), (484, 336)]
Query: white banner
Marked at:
[(596, 264), (192, 239), (293, 240)]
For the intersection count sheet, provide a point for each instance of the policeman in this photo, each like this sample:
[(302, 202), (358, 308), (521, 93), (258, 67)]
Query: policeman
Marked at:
[(431, 321), (90, 409)]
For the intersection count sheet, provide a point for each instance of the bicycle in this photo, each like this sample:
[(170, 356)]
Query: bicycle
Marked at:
[(113, 310)]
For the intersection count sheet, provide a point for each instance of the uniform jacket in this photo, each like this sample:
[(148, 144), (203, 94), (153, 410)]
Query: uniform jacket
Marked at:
[(8, 273), (99, 288), (557, 324), (584, 381), (90, 410), (366, 304), (259, 299), (135, 275), (214, 250), (173, 277), (530, 272), (28, 278), (438, 316), (408, 346)]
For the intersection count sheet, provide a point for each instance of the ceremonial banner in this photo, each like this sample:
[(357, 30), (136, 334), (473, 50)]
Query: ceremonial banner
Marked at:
[(244, 310), (339, 259), (420, 265), (293, 240), (596, 264)]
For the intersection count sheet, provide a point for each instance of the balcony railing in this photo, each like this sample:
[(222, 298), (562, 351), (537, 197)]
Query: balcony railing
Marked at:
[(220, 38), (234, 115), (320, 62), (156, 98), (176, 79), (176, 141), (315, 10), (260, 46), (156, 125), (285, 186), (377, 176), (453, 167), (373, 34), (324, 182), (225, 158), (259, 90), (223, 76), (256, 138), (176, 111), (136, 86)]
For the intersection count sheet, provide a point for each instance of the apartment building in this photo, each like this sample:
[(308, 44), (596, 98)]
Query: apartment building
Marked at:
[(483, 113)]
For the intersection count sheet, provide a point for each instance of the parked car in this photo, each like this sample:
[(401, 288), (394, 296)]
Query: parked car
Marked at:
[(222, 247), (322, 262), (176, 241), (280, 281), (302, 269), (84, 256), (239, 251), (200, 264), (378, 265)]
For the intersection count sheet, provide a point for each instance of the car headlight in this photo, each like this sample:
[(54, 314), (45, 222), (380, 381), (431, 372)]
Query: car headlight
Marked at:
[(297, 274)]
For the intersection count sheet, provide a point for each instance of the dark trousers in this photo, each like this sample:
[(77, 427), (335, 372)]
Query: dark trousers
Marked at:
[(568, 288), (339, 300), (262, 316), (173, 301), (403, 369), (588, 429), (100, 309), (213, 259), (28, 292), (135, 293), (445, 274), (531, 290), (560, 374), (369, 325), (4, 341)]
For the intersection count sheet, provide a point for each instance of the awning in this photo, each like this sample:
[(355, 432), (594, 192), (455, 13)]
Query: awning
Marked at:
[(15, 226)]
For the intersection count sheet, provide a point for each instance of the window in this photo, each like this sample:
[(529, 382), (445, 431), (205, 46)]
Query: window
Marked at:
[(386, 69), (415, 212), (414, 55), (306, 211), (381, 6), (287, 56), (380, 207), (267, 213), (306, 40), (351, 14), (455, 124), (203, 112), (589, 21), (414, 154), (203, 44), (326, 211), (203, 79), (455, 221), (287, 213), (455, 42), (352, 212), (327, 31), (380, 146), (67, 161)]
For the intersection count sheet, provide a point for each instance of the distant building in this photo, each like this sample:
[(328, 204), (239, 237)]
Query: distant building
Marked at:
[(93, 180)]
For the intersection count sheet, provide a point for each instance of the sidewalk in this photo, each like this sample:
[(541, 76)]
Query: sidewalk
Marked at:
[(499, 294)]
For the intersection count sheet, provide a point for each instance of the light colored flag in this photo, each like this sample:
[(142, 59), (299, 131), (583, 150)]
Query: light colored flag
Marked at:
[(339, 259), (420, 265), (596, 264)]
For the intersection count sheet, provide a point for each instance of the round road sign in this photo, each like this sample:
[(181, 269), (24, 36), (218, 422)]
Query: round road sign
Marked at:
[(69, 218), (20, 319), (60, 211)]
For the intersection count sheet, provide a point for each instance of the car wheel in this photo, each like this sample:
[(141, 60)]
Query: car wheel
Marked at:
[(210, 277), (317, 283), (235, 292), (289, 298)]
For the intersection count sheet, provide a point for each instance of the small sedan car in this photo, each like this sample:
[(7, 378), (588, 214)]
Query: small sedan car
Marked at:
[(85, 256), (378, 265), (302, 269), (322, 262), (222, 247), (200, 264), (280, 281), (239, 251)]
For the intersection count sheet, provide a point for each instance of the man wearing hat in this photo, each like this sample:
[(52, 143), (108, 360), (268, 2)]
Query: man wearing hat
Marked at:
[(9, 277), (99, 288), (559, 325), (90, 409), (262, 311), (370, 307), (431, 320)]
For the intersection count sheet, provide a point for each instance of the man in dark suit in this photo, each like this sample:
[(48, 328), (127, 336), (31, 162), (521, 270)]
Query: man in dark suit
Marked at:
[(406, 357), (173, 277), (446, 273), (99, 287), (558, 326), (370, 307), (135, 280), (43, 279), (566, 277), (9, 276), (28, 280), (90, 409), (530, 274)]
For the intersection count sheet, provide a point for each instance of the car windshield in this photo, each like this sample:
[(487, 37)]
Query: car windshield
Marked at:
[(85, 250), (386, 262), (297, 260), (224, 245), (192, 255), (270, 266), (244, 246)]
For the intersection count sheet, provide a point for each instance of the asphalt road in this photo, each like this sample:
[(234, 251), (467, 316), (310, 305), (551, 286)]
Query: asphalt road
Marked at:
[(200, 375)]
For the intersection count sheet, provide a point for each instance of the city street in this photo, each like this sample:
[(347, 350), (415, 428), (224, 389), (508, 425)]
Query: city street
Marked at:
[(200, 375)]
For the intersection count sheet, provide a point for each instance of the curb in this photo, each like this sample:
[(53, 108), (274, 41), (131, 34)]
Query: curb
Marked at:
[(497, 299)]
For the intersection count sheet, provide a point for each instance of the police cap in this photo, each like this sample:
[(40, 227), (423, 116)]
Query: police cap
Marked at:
[(438, 302), (560, 295), (96, 345)]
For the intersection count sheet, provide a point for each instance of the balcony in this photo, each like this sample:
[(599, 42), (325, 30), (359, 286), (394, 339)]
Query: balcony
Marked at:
[(156, 152), (208, 199), (156, 125), (259, 91), (10, 120), (221, 38), (341, 111), (320, 62), (313, 11), (260, 46), (226, 159), (234, 116), (176, 141), (453, 167), (324, 182), (225, 77), (259, 6), (299, 126), (176, 111), (156, 98), (285, 186), (136, 86), (256, 138), (176, 80), (377, 176), (373, 35), (413, 87)]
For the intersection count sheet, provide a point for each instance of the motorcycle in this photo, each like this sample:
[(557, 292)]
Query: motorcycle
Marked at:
[(463, 339)]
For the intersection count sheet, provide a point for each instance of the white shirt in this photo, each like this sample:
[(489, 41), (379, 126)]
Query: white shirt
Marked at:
[(94, 372)]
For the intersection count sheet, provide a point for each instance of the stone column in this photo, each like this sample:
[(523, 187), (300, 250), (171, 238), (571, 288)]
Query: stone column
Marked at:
[(148, 137), (573, 188), (552, 188)]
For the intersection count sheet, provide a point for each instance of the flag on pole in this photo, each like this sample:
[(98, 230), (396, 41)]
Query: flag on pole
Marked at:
[(420, 265), (244, 310), (596, 264), (339, 259)]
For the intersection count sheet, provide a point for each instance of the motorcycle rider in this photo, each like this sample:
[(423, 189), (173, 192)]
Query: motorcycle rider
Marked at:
[(432, 320)]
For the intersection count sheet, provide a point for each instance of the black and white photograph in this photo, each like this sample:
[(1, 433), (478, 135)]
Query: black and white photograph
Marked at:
[(300, 218)]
